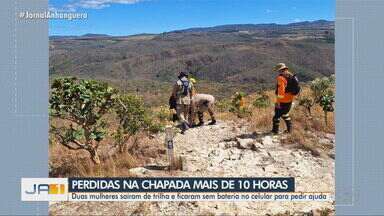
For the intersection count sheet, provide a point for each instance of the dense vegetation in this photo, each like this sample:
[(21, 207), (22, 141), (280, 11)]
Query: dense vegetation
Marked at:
[(83, 106)]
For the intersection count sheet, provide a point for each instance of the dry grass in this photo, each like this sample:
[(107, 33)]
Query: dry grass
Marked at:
[(69, 163), (306, 129), (261, 119), (145, 150)]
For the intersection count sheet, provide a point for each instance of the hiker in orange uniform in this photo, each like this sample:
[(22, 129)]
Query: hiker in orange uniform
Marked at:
[(286, 89)]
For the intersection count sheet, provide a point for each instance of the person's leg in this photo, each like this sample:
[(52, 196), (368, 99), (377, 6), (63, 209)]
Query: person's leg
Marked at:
[(201, 117), (181, 111), (202, 107), (285, 115), (276, 120), (192, 115), (186, 116), (212, 114), (186, 113)]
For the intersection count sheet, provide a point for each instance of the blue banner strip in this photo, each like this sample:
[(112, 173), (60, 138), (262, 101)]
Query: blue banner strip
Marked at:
[(192, 184)]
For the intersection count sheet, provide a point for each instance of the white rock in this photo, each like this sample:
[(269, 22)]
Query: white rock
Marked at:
[(244, 143), (323, 141), (267, 140), (138, 171), (330, 136)]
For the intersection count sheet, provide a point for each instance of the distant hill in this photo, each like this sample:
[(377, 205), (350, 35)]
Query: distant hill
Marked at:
[(233, 56), (257, 27), (95, 35)]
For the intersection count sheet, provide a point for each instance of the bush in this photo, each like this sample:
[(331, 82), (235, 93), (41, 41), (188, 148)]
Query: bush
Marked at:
[(164, 115), (223, 105), (82, 103), (326, 103), (322, 86), (238, 105), (238, 100), (262, 102), (153, 125), (131, 114), (307, 103), (322, 91)]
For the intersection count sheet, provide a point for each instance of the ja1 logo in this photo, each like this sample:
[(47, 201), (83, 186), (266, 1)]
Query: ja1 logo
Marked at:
[(44, 189), (47, 188)]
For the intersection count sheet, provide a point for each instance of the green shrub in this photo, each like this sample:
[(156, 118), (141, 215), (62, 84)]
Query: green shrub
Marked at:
[(322, 86), (307, 103), (164, 114), (82, 103), (156, 127), (223, 105), (326, 102), (262, 102), (238, 105), (243, 112), (131, 114), (238, 100), (322, 93)]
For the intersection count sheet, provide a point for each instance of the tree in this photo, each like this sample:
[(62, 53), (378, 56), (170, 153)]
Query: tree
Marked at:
[(319, 88), (82, 104), (322, 86), (307, 102), (132, 118), (238, 105), (322, 93), (326, 102)]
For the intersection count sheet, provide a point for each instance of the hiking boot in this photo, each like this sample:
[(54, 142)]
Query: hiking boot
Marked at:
[(275, 128), (197, 125), (273, 132), (213, 122), (200, 124), (288, 123), (184, 127), (175, 118)]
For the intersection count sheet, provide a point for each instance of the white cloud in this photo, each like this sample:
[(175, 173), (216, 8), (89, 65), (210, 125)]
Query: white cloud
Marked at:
[(297, 20), (72, 5), (268, 11)]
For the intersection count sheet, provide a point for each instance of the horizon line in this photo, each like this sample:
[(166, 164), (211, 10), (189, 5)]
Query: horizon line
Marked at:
[(129, 35)]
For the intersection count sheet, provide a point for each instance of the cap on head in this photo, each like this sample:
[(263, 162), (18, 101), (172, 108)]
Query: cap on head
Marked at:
[(280, 67)]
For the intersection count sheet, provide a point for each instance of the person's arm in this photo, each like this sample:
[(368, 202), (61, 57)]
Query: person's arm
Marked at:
[(280, 88), (174, 90)]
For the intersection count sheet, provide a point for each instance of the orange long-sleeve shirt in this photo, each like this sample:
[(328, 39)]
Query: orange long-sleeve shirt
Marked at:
[(281, 95)]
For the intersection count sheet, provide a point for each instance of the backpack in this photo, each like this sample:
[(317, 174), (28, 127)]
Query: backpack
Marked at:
[(293, 85), (185, 87)]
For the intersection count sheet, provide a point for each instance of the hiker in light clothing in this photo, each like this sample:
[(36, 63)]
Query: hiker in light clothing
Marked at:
[(182, 92), (203, 103)]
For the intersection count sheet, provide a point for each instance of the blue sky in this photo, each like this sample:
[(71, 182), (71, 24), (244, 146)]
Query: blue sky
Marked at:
[(127, 17)]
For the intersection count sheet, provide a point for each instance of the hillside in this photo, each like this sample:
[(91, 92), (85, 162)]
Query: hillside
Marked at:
[(233, 56)]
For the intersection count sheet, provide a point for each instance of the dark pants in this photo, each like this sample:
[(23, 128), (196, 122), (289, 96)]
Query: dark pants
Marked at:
[(282, 111)]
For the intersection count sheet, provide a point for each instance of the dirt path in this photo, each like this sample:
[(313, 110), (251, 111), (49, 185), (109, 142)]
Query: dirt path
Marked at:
[(228, 149)]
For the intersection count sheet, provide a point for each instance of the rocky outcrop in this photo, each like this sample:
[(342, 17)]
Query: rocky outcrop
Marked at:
[(228, 150)]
